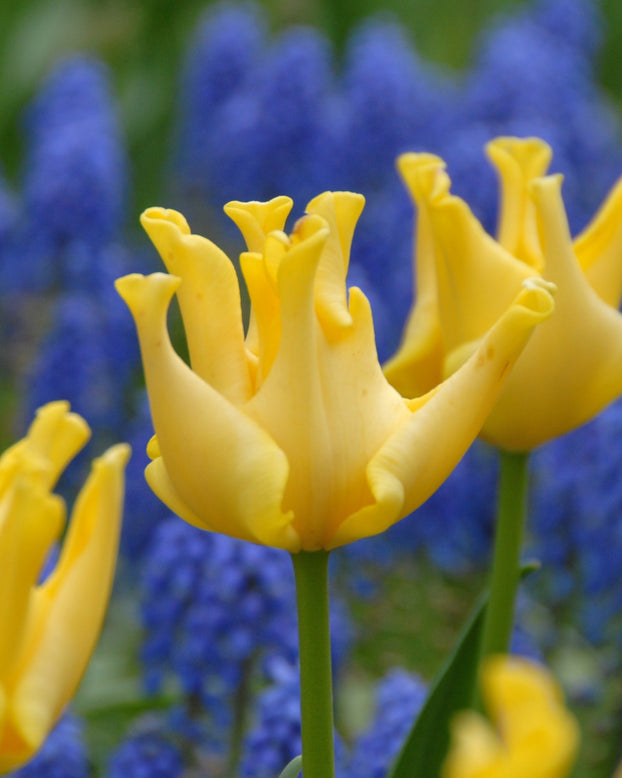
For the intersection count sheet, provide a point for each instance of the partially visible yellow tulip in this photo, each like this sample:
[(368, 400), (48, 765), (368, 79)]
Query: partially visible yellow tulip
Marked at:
[(291, 436), (532, 735), (49, 629), (572, 367)]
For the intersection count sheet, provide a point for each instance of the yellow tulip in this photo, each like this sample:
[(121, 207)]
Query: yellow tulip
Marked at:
[(291, 436), (572, 367), (49, 629), (532, 735)]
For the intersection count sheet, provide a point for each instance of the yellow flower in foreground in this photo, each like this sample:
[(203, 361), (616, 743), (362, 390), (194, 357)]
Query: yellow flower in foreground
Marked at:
[(532, 735), (572, 367), (291, 436), (49, 630)]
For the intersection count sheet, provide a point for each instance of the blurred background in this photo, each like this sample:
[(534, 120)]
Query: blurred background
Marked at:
[(144, 44), (107, 108)]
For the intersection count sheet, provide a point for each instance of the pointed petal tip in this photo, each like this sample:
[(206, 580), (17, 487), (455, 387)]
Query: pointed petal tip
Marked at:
[(116, 456), (153, 448)]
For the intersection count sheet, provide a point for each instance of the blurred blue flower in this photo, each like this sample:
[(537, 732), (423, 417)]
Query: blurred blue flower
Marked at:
[(577, 24), (455, 526), (576, 528), (216, 610), (394, 102), (271, 136), (85, 358), (148, 752), (535, 75), (274, 738), (399, 698), (221, 59), (75, 177), (143, 511), (212, 606), (63, 755)]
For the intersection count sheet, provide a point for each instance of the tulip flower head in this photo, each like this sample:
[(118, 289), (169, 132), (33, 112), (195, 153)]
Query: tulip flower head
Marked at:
[(49, 629), (532, 735), (572, 367), (290, 435)]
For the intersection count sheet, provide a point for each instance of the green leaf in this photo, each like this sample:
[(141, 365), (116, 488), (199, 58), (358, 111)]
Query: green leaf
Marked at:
[(293, 768), (453, 690), (426, 746)]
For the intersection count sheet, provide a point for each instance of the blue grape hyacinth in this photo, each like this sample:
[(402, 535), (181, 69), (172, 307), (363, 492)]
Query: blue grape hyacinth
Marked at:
[(86, 358), (211, 606), (274, 738), (75, 178), (577, 524), (217, 611), (149, 751), (399, 698)]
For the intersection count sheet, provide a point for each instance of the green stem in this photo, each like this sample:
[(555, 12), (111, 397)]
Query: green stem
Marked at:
[(316, 684), (505, 575)]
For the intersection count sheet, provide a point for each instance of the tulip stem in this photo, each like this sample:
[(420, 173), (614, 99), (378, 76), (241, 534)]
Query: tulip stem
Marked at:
[(316, 684), (499, 620)]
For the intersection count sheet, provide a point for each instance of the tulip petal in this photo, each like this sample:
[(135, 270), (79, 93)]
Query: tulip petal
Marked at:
[(417, 366), (265, 333), (528, 733), (366, 410), (159, 481), (477, 751), (570, 390), (527, 705), (53, 439), (209, 299), (599, 249), (67, 611), (57, 435), (519, 161), (341, 211), (255, 219), (289, 404), (31, 519), (225, 467), (420, 455), (477, 279)]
